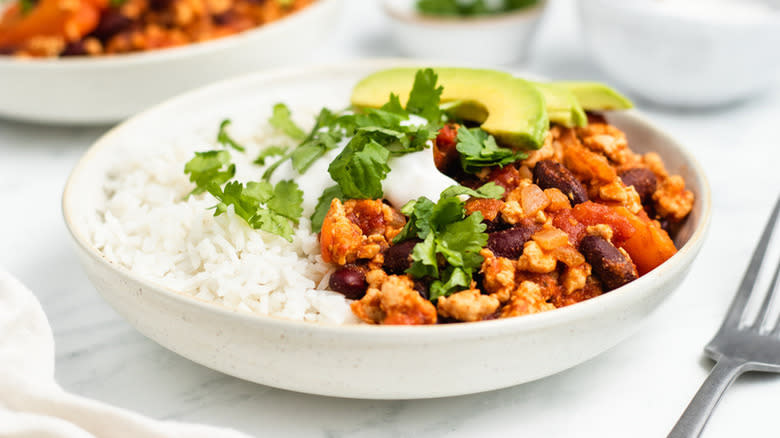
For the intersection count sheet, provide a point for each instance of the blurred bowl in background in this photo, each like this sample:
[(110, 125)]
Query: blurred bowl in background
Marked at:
[(688, 53), (488, 39), (101, 90)]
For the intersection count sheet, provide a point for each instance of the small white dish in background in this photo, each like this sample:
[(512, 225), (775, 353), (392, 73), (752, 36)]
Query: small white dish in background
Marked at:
[(100, 90), (365, 361), (687, 53), (501, 39)]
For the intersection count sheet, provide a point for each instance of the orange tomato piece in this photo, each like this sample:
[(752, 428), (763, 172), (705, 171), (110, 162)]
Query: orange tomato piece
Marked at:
[(564, 220), (591, 213), (50, 18), (445, 153), (650, 245)]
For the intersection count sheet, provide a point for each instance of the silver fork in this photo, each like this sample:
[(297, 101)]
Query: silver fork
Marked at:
[(736, 348)]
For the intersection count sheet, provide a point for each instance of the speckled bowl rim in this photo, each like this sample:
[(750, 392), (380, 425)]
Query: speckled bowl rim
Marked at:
[(631, 292), (446, 21), (169, 53)]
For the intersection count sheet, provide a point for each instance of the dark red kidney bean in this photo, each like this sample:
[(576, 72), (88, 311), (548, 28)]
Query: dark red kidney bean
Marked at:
[(158, 5), (350, 281), (111, 23), (643, 180), (422, 288), (398, 258), (608, 263), (75, 48), (549, 174), (7, 50), (509, 243), (496, 225), (224, 18)]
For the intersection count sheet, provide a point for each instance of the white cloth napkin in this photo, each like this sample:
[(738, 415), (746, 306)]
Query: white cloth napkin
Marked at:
[(33, 405)]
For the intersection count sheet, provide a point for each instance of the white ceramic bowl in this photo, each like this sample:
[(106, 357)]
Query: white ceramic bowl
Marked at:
[(365, 361), (679, 58), (500, 39), (107, 89)]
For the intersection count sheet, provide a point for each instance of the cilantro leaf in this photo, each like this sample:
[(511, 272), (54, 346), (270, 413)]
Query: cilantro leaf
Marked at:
[(273, 223), (323, 205), (393, 105), (280, 119), (323, 137), (424, 261), (419, 224), (478, 149), (270, 151), (286, 200), (490, 190), (360, 168), (470, 8), (233, 194), (454, 279), (308, 152), (261, 204), (206, 169), (425, 96), (461, 238), (449, 253), (447, 211), (372, 117), (259, 192), (224, 139)]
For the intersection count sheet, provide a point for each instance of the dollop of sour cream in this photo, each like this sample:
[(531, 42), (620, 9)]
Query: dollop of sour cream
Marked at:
[(414, 175), (411, 176)]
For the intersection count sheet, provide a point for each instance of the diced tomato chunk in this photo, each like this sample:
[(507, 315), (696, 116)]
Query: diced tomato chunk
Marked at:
[(566, 222), (445, 153), (368, 215), (507, 177), (650, 245), (591, 213), (488, 207)]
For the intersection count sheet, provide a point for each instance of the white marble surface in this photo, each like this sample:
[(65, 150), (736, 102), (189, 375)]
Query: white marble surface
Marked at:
[(639, 388)]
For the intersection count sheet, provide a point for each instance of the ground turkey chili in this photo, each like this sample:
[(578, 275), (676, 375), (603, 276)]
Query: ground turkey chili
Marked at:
[(49, 28), (579, 217)]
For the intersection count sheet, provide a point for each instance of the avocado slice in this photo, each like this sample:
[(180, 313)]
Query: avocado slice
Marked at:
[(595, 96), (511, 109), (562, 106)]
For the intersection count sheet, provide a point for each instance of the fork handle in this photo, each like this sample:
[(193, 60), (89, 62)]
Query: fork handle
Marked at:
[(692, 421)]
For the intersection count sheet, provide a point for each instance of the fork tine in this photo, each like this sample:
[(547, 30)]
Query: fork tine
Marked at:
[(749, 279), (768, 298)]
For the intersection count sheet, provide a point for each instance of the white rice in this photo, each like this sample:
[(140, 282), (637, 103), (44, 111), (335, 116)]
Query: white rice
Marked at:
[(149, 226)]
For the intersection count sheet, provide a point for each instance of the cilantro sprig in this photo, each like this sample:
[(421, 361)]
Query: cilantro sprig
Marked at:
[(271, 151), (478, 149), (378, 134), (262, 205), (460, 8), (324, 136), (209, 168), (383, 126), (281, 120), (451, 241), (224, 139), (360, 168)]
